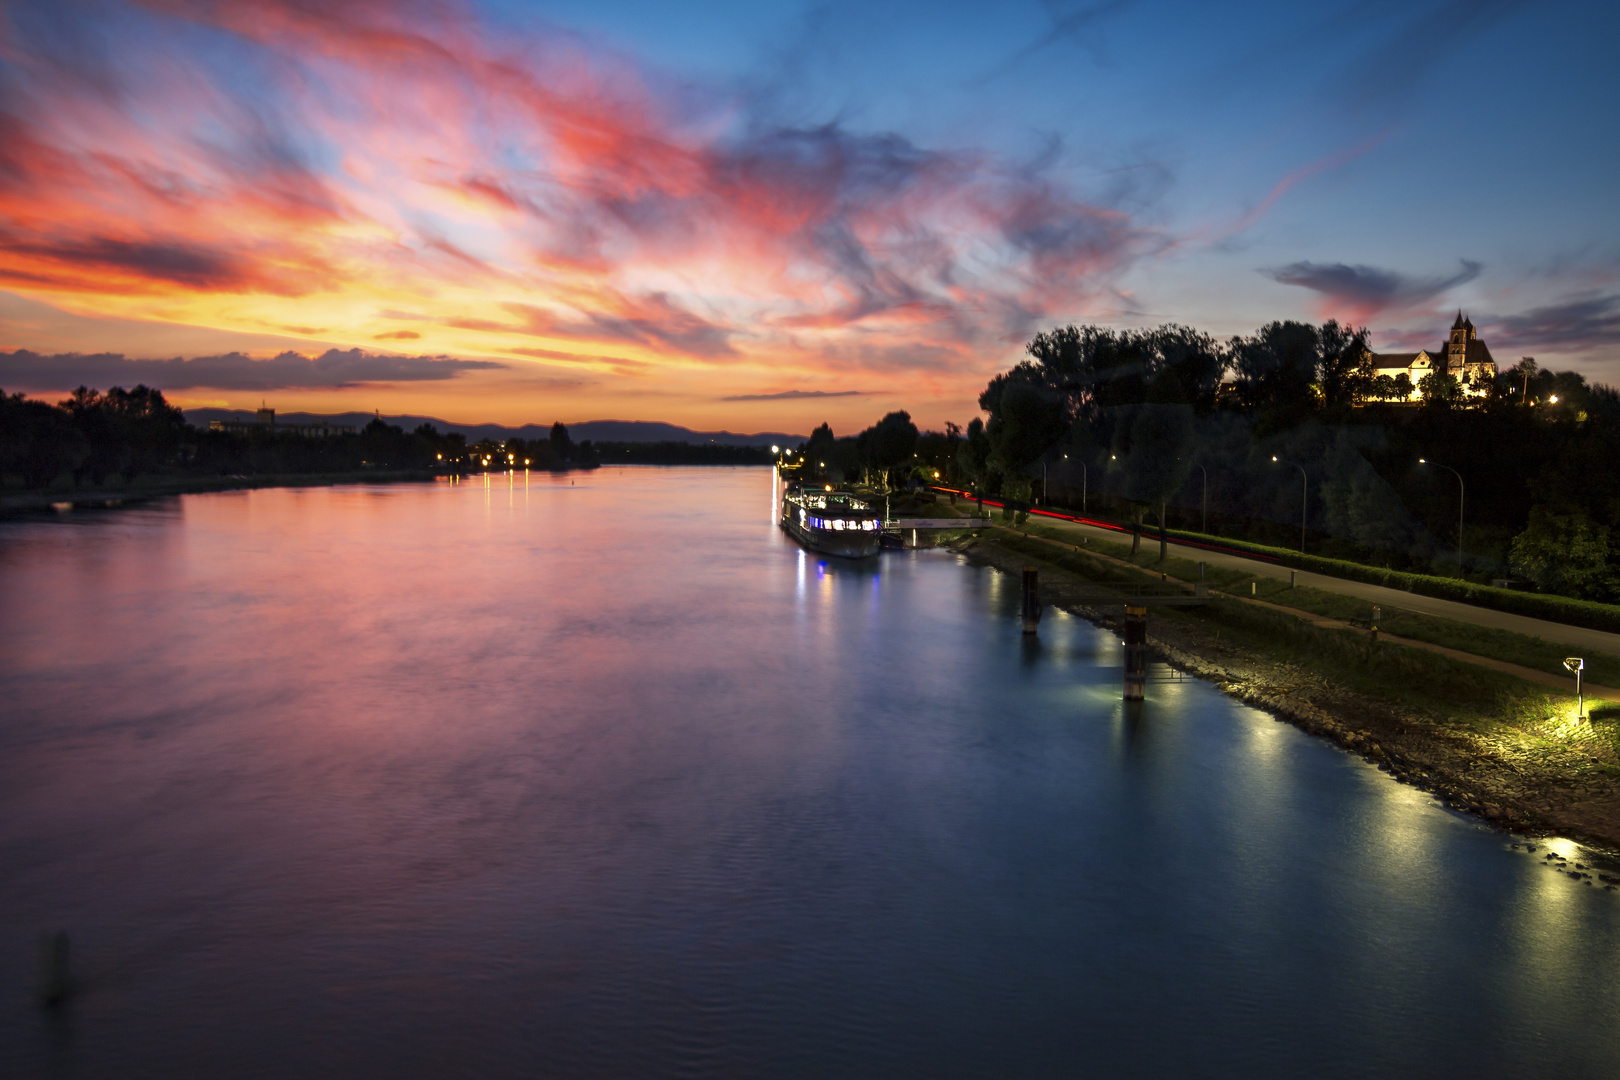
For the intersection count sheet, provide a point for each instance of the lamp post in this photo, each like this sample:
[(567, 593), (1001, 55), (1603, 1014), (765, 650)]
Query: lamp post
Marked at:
[(1205, 471), (1304, 498), (1462, 491)]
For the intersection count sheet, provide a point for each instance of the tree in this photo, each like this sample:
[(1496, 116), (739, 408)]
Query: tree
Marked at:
[(1565, 552), (973, 455), (126, 431), (1345, 373), (1277, 373), (888, 444), (1440, 390), (819, 451), (37, 442), (1025, 420), (562, 447)]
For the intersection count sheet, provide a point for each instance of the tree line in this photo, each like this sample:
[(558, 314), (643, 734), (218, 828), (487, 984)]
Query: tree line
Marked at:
[(1169, 424), (1252, 437), (90, 438)]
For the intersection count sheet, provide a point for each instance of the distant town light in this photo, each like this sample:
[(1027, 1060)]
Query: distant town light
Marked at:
[(775, 449), (1553, 399)]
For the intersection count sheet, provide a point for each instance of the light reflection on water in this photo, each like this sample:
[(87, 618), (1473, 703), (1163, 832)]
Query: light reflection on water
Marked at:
[(605, 776)]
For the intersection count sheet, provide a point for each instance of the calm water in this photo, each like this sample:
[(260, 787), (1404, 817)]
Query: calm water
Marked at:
[(606, 777)]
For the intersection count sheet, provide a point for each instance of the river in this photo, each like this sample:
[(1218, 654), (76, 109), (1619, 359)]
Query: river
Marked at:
[(601, 775)]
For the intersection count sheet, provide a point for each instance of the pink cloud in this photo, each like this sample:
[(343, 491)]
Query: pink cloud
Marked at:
[(386, 149)]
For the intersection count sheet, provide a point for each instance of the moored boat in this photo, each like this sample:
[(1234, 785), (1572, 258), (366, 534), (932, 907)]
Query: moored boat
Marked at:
[(831, 522)]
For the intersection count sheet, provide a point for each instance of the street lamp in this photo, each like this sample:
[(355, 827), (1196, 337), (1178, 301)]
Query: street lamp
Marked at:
[(1461, 492), (1304, 498), (1083, 481), (1205, 471)]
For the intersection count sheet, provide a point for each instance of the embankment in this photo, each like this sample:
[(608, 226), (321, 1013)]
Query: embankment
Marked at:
[(1483, 741)]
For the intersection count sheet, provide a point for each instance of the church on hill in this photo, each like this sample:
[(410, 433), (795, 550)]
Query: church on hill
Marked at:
[(1464, 357)]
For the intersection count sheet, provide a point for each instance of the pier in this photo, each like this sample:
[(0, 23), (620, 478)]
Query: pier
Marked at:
[(900, 526), (1135, 597)]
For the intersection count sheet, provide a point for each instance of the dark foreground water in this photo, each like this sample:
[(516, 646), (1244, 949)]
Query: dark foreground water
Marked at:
[(534, 777)]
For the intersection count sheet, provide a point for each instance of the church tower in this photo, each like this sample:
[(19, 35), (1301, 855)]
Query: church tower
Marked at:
[(1462, 332)]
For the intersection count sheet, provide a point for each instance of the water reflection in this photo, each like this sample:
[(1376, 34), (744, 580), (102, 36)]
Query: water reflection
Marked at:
[(355, 782)]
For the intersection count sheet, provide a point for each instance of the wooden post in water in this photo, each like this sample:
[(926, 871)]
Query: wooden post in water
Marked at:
[(1032, 599), (1135, 653), (55, 982)]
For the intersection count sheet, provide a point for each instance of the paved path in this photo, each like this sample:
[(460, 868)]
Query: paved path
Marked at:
[(1535, 675), (1579, 637)]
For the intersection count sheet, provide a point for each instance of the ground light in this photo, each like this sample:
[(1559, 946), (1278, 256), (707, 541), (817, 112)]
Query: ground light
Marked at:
[(1577, 665)]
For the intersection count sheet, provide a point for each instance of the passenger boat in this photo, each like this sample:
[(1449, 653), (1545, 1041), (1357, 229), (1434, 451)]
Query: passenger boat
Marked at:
[(831, 522)]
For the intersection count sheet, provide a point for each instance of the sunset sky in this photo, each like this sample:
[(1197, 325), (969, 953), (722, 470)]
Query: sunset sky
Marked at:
[(760, 216)]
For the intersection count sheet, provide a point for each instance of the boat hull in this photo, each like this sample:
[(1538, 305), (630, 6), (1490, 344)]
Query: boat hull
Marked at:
[(847, 544)]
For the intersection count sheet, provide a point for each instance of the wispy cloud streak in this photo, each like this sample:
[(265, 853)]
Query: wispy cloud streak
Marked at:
[(333, 369), (790, 395)]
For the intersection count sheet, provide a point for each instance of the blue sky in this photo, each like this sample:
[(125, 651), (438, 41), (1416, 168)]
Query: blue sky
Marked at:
[(886, 198)]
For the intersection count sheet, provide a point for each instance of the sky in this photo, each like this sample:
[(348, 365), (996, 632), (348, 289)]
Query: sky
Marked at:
[(763, 216)]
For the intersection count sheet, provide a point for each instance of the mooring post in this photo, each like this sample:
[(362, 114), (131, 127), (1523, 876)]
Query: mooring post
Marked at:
[(1135, 653), (1032, 599), (55, 982)]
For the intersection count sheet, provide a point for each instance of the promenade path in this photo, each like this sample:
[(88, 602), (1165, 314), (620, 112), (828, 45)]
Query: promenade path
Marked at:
[(1577, 637)]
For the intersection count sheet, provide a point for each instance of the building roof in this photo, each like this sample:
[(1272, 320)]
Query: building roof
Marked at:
[(1402, 360)]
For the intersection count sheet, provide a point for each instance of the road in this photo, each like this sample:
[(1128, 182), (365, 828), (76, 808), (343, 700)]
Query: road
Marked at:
[(1577, 637)]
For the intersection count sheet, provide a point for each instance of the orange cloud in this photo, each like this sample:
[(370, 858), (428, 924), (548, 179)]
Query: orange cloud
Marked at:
[(348, 164)]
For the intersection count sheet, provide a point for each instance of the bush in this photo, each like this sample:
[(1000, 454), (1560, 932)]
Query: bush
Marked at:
[(1560, 609)]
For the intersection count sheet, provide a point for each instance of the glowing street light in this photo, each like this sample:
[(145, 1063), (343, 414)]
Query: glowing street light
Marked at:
[(1461, 492), (1304, 498)]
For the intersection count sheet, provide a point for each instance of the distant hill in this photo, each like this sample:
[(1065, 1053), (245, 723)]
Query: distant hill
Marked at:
[(595, 430)]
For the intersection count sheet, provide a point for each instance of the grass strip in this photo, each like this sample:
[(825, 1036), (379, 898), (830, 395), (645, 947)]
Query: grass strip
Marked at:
[(1516, 718), (1505, 645)]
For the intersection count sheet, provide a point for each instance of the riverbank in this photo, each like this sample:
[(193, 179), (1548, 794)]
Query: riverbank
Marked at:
[(1483, 741), (23, 503)]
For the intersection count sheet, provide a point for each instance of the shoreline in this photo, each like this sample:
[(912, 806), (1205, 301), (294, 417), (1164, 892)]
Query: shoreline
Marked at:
[(1536, 798), (32, 503)]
